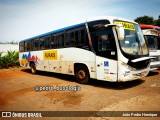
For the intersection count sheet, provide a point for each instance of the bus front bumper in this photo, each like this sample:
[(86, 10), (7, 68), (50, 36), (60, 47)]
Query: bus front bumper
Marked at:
[(133, 75), (155, 65)]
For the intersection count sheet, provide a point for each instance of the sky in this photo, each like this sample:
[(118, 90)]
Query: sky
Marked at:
[(22, 19)]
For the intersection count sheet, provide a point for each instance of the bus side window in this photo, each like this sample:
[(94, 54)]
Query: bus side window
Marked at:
[(53, 41), (56, 40), (21, 47), (42, 43), (70, 38), (27, 46), (104, 42), (36, 44), (104, 39), (77, 37), (47, 42), (32, 45), (82, 37), (61, 40)]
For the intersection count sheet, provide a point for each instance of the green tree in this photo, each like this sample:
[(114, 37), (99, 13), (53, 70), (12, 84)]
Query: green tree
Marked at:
[(157, 22), (144, 20)]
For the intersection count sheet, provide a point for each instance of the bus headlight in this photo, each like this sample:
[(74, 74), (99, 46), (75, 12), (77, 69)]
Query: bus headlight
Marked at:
[(124, 64), (131, 68)]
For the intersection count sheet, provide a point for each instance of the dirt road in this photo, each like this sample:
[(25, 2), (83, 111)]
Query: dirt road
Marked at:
[(17, 93)]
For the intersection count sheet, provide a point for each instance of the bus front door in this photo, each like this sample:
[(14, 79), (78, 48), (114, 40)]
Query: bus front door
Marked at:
[(106, 55), (106, 69)]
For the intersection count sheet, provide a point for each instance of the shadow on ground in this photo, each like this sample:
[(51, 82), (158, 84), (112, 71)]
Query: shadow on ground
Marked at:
[(92, 82), (116, 85), (152, 73), (53, 75)]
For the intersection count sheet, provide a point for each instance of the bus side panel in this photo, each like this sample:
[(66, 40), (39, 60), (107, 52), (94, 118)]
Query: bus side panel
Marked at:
[(69, 56), (69, 67), (35, 56), (106, 69), (54, 66), (63, 62)]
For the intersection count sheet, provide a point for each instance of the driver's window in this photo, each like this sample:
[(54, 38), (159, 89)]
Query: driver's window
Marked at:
[(104, 40), (103, 43)]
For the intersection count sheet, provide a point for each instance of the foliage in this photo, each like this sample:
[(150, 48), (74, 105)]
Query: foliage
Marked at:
[(11, 42), (157, 22), (144, 20), (148, 20), (9, 60)]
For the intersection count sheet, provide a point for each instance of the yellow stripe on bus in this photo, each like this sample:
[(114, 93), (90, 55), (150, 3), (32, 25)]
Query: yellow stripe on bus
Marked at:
[(127, 25), (50, 55)]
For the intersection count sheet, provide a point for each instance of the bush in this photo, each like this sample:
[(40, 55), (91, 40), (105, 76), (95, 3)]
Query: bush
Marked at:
[(9, 60)]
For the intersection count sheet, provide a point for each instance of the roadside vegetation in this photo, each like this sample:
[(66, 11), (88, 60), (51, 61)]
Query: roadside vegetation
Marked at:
[(9, 60), (148, 20), (9, 42)]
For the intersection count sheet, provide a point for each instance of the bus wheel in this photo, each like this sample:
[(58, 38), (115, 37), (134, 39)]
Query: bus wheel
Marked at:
[(82, 74), (33, 68)]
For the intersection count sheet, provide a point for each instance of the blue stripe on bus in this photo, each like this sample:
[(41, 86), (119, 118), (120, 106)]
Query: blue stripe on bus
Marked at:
[(55, 31)]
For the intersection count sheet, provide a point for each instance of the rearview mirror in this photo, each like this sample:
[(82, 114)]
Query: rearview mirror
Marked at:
[(120, 31), (119, 28)]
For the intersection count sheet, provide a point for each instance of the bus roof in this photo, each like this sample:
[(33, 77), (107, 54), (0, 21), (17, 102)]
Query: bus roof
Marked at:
[(110, 18), (147, 26), (150, 32), (83, 22), (52, 32), (144, 26)]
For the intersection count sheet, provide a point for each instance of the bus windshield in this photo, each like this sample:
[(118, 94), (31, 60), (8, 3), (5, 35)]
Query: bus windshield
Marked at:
[(133, 42), (152, 42)]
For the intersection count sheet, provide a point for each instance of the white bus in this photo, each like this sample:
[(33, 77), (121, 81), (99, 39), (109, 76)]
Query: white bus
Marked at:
[(151, 37), (103, 48)]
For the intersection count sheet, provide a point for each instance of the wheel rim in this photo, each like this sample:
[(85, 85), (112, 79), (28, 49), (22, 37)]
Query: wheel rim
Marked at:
[(81, 74)]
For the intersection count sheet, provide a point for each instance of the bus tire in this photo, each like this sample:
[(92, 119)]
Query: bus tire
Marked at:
[(33, 68), (82, 74)]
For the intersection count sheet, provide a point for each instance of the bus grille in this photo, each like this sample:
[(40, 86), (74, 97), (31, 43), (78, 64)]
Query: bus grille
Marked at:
[(139, 65)]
